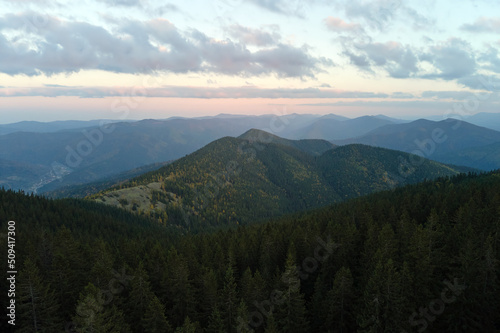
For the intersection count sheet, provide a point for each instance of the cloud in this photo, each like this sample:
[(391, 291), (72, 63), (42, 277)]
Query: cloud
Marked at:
[(291, 61), (284, 7), (455, 95), (398, 60), (251, 36), (125, 3), (338, 25), (376, 13), (401, 95), (420, 22), (491, 60), (186, 92), (481, 82), (449, 60), (57, 46), (483, 24), (360, 61), (166, 8), (452, 59), (402, 105)]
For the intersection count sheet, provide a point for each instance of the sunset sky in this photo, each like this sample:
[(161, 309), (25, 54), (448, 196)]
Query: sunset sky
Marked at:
[(136, 59)]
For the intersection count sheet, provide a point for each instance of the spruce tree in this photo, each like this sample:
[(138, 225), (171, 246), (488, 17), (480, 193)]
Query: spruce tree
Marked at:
[(291, 313), (94, 314), (139, 298), (340, 302), (215, 322), (38, 310), (154, 320), (229, 300)]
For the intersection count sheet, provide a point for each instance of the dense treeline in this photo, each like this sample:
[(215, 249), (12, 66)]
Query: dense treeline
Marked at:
[(421, 257)]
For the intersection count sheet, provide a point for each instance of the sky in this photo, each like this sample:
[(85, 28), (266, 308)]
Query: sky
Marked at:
[(137, 59)]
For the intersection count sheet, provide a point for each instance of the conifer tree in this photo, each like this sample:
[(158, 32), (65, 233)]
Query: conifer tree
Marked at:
[(215, 322), (340, 302), (271, 325), (242, 313), (229, 299), (177, 288), (291, 313), (208, 299), (154, 320), (187, 327), (67, 274), (38, 310), (139, 298), (102, 271), (94, 314)]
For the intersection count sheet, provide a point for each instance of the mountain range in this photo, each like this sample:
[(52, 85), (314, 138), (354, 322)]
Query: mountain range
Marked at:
[(258, 176), (80, 155), (448, 141), (61, 154)]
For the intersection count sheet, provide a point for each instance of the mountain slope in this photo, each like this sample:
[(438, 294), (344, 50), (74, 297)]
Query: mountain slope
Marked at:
[(441, 141), (83, 190), (228, 181), (483, 157), (485, 119), (355, 170), (311, 146), (336, 129), (235, 180), (96, 153)]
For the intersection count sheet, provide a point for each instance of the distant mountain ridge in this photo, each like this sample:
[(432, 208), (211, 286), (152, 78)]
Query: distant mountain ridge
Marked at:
[(247, 179), (52, 126), (83, 155), (47, 161), (484, 119), (334, 129), (444, 141)]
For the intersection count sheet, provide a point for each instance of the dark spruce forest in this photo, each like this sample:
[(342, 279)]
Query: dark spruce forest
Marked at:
[(419, 257), (395, 229)]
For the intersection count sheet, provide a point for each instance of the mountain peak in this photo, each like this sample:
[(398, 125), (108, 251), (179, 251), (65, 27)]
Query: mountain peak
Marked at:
[(258, 135)]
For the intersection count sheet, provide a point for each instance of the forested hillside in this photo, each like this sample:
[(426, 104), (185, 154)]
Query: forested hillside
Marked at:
[(420, 257), (258, 176), (450, 141)]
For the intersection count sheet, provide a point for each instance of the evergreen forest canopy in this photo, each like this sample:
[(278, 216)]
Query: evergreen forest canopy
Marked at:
[(423, 257), (259, 176)]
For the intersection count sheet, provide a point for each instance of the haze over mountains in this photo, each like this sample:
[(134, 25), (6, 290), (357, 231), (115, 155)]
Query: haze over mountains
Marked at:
[(43, 157)]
